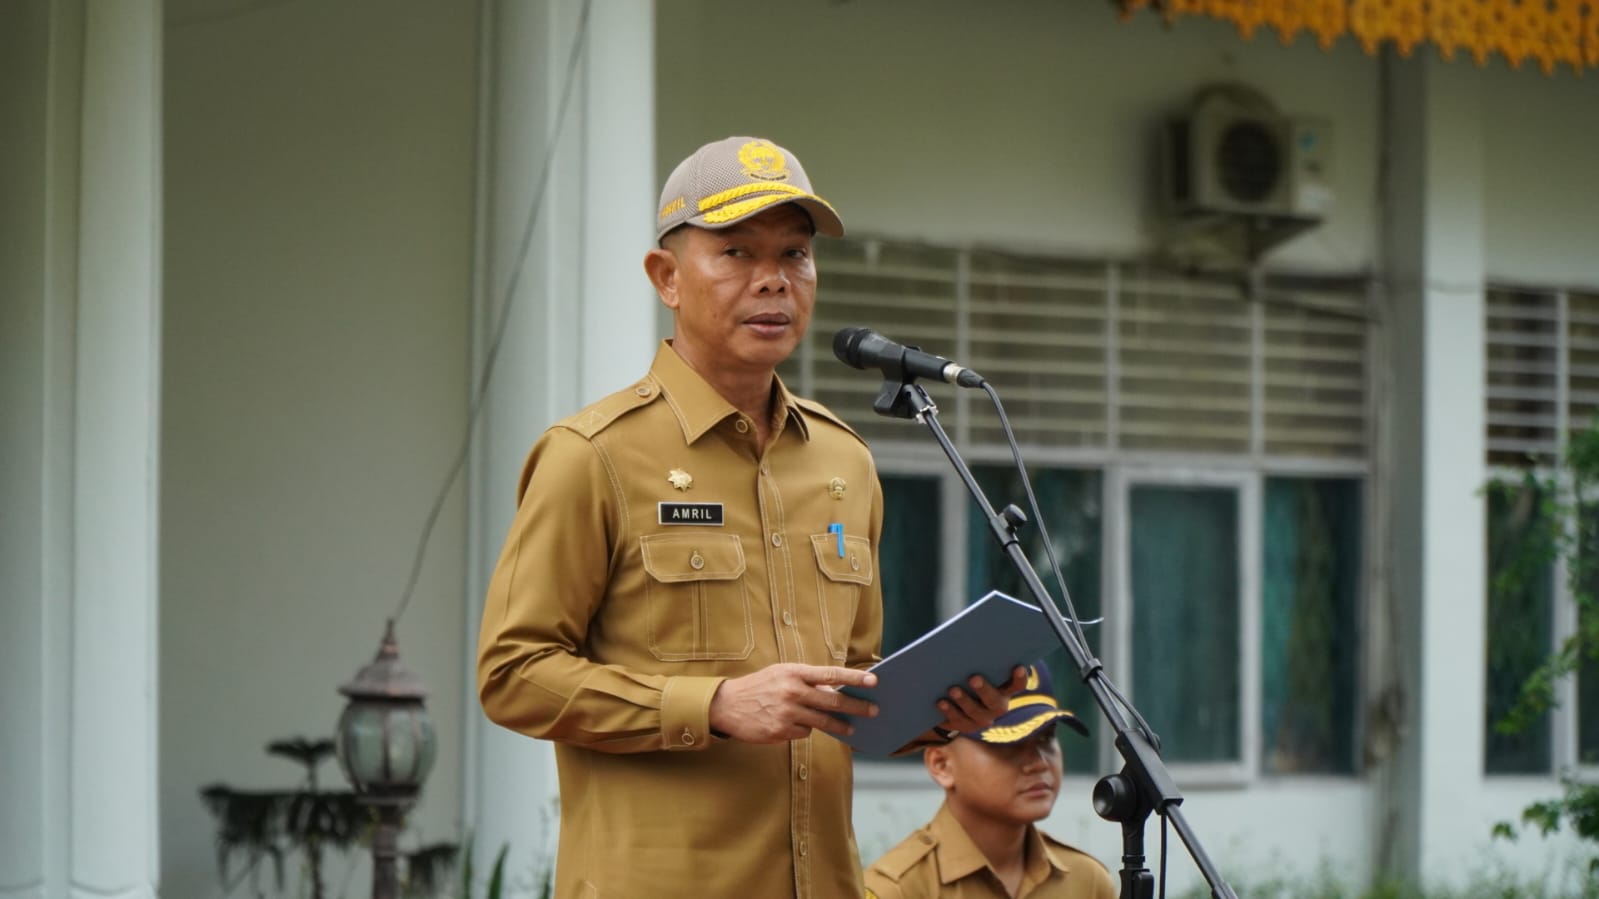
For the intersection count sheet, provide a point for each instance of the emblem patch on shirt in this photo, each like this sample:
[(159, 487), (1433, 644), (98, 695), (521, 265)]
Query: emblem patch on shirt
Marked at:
[(690, 513), (680, 479)]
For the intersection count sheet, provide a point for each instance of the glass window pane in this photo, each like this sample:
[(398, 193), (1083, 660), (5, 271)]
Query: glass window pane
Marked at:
[(1184, 582), (1310, 589), (1586, 587), (1588, 713), (910, 547), (1070, 502), (1520, 591)]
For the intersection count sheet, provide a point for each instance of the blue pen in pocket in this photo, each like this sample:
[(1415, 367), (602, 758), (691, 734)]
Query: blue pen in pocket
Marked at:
[(837, 528)]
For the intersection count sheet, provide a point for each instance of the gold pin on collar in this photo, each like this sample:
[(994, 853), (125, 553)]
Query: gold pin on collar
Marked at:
[(836, 487), (680, 479)]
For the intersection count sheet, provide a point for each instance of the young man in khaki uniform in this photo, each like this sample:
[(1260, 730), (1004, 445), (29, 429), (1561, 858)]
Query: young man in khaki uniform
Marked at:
[(692, 573), (983, 843)]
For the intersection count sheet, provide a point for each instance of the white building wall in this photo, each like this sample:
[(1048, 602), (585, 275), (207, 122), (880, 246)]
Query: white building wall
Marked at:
[(320, 174), (1540, 190), (1030, 126), (1020, 124), (320, 323)]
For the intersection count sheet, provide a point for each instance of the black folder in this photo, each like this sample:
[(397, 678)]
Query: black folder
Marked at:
[(989, 637)]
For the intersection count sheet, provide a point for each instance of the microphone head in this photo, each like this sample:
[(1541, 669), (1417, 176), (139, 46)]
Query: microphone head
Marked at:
[(847, 345)]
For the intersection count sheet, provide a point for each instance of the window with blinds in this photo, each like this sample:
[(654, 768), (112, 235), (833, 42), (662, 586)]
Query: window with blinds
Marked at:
[(1542, 371), (1542, 387), (1101, 355), (1525, 381)]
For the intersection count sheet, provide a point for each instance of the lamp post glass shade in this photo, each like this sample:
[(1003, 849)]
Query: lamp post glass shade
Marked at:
[(385, 739)]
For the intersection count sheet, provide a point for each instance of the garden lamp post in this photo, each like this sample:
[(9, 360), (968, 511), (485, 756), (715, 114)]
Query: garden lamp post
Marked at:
[(385, 744)]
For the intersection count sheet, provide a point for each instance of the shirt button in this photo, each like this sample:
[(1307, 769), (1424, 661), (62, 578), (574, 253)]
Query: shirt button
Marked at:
[(855, 562), (788, 619), (688, 738), (804, 773), (696, 561), (742, 426), (765, 469), (804, 849), (643, 390), (777, 539)]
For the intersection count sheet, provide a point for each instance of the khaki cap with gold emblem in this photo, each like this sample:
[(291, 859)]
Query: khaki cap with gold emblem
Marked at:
[(734, 178)]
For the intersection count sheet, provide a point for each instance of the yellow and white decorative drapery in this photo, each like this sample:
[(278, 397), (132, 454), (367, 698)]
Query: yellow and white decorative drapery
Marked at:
[(1548, 31)]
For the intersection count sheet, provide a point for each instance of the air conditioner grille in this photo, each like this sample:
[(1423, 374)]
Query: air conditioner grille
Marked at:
[(1249, 162)]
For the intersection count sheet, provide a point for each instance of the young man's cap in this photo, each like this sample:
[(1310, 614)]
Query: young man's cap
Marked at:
[(1031, 708), (734, 178)]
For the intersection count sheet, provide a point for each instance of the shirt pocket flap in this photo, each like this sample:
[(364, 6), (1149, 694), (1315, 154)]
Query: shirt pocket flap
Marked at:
[(674, 558), (854, 566)]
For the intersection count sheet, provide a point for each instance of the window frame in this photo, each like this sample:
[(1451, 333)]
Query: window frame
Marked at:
[(1564, 753), (1246, 486), (918, 455), (1564, 733)]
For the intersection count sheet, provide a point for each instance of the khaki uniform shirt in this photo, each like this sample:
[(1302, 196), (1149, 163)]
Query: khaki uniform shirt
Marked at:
[(941, 861), (655, 554)]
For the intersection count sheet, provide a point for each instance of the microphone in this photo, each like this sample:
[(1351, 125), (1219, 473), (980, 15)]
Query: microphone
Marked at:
[(864, 348)]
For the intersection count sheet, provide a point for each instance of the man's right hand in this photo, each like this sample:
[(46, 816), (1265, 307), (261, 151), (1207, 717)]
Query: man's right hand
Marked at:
[(787, 702)]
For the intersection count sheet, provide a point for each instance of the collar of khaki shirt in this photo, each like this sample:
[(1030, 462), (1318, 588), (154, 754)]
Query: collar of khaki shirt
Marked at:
[(959, 857), (699, 407)]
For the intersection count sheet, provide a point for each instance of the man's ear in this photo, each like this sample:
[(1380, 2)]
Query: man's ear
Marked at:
[(660, 266), (940, 762)]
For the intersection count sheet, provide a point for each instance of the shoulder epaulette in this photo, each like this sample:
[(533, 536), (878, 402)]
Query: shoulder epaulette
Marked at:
[(602, 413), (895, 862), (822, 411)]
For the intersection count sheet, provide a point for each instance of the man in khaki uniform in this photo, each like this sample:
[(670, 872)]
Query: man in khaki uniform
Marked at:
[(692, 573), (983, 843)]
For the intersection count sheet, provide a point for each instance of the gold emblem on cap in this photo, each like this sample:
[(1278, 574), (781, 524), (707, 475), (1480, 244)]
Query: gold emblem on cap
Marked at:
[(680, 479), (836, 487), (762, 159)]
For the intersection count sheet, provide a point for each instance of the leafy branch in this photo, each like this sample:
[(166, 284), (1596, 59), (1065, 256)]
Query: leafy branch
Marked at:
[(1546, 526)]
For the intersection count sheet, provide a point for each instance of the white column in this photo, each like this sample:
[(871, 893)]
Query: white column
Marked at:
[(620, 189), (117, 424), (77, 630), (582, 320), (1435, 286)]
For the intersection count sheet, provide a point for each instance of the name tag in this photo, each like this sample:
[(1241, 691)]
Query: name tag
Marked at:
[(690, 513)]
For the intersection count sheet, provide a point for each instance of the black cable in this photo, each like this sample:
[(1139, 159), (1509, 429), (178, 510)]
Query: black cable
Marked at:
[(1060, 580), (579, 40), (1038, 518)]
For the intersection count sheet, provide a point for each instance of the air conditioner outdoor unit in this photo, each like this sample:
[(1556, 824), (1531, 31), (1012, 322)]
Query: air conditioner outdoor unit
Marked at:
[(1237, 172)]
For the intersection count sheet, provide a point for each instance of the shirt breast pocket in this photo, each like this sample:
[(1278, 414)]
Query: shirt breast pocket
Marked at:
[(839, 586), (697, 605)]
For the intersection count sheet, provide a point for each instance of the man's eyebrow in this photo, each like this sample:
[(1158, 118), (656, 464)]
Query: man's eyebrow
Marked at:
[(799, 227)]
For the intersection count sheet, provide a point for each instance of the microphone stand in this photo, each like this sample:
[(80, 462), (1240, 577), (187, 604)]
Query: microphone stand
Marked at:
[(1143, 785)]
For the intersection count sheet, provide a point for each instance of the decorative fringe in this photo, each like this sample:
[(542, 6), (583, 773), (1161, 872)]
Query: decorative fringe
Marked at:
[(1549, 31)]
